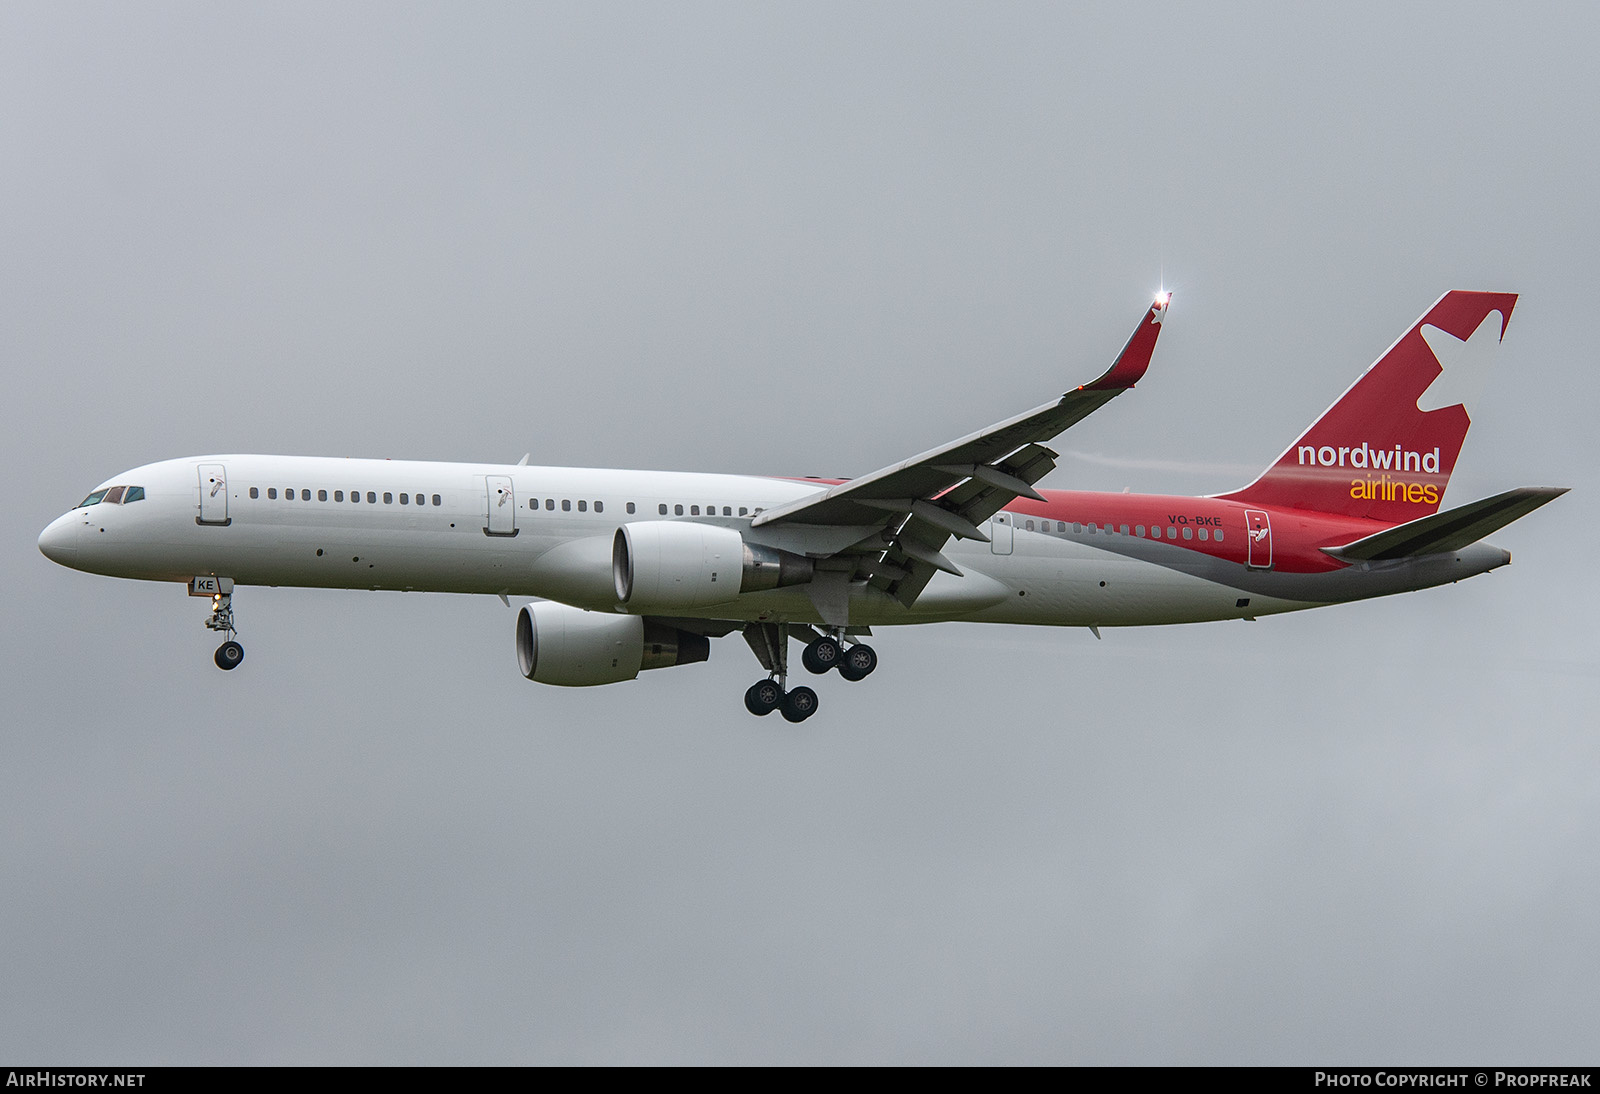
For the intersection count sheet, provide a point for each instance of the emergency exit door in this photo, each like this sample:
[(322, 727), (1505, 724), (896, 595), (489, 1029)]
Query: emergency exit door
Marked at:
[(502, 503), (1001, 533)]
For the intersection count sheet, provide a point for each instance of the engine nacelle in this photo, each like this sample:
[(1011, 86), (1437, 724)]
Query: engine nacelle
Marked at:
[(560, 644), (671, 566)]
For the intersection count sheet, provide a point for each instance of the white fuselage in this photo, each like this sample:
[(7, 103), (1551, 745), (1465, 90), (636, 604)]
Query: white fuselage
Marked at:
[(547, 532)]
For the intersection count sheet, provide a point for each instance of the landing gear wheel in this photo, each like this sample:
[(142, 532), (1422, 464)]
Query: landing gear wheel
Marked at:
[(799, 704), (821, 655), (858, 662), (762, 699), (229, 655)]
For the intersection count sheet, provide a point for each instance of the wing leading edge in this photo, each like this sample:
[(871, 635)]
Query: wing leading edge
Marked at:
[(888, 527)]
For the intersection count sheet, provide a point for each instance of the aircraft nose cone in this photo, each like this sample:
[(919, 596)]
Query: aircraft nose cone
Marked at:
[(59, 542)]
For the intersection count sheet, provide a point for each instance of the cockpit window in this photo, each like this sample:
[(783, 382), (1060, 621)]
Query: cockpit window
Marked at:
[(113, 495)]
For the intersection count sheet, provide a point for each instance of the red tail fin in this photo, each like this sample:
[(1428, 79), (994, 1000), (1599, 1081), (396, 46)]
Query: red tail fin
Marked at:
[(1385, 450)]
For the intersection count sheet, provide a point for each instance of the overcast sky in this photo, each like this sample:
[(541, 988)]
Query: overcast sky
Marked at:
[(790, 239)]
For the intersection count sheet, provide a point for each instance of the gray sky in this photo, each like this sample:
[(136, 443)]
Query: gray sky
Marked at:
[(789, 239)]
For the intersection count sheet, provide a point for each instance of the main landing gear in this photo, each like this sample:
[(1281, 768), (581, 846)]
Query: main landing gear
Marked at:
[(229, 655), (766, 696), (770, 642)]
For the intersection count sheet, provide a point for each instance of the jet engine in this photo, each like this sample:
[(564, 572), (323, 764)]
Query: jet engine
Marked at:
[(560, 644), (669, 567)]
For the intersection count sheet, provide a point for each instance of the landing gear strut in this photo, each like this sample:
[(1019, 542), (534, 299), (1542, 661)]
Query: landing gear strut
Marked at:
[(230, 654), (770, 642)]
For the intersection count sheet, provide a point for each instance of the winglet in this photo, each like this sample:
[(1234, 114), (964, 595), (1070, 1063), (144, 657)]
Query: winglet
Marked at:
[(1131, 363)]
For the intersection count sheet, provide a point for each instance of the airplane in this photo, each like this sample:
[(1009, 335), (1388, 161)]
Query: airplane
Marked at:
[(636, 570)]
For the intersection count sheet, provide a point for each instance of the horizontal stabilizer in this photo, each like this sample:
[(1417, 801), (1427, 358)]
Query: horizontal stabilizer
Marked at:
[(1450, 530)]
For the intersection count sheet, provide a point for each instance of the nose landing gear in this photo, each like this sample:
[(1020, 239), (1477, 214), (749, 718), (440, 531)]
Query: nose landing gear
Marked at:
[(229, 655)]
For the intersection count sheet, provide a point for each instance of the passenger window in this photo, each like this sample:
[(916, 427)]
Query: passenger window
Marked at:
[(583, 507), (727, 510), (549, 503), (743, 512), (1093, 529), (694, 510), (305, 495), (677, 510), (255, 492), (355, 495), (405, 499), (272, 493), (135, 493), (630, 507), (1030, 525), (1203, 535), (599, 507), (1188, 533), (372, 497), (1219, 535), (566, 505), (1077, 529), (388, 498), (436, 500), (1138, 530), (1124, 529), (338, 495), (322, 495), (663, 508), (1172, 533)]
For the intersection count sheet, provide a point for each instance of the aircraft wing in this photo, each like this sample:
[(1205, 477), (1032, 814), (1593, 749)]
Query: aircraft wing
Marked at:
[(893, 522), (1450, 530)]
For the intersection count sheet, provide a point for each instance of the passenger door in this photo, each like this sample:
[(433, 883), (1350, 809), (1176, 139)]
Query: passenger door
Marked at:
[(1259, 533), (213, 494)]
